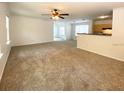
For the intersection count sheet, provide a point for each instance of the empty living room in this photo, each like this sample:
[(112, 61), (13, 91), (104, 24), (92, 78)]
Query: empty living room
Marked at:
[(61, 46)]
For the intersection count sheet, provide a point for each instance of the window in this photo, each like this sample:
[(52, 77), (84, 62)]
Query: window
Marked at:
[(7, 29), (81, 29)]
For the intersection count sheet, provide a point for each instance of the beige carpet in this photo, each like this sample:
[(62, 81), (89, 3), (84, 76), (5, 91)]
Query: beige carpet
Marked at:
[(60, 66)]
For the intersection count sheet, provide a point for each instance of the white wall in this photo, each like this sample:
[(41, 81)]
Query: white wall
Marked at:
[(90, 26), (73, 32), (118, 26), (68, 31), (102, 45), (5, 49), (29, 30), (111, 46)]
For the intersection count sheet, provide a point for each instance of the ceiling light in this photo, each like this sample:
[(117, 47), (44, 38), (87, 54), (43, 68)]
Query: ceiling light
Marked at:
[(55, 17), (104, 16)]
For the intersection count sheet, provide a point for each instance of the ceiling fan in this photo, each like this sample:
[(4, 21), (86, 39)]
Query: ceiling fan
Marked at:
[(55, 15)]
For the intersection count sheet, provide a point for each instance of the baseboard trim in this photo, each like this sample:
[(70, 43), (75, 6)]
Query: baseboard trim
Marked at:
[(4, 62), (115, 58), (14, 45)]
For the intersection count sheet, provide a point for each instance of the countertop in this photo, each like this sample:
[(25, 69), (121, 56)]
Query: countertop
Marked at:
[(94, 34)]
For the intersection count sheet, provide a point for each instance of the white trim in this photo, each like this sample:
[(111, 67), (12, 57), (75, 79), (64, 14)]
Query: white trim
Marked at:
[(8, 42), (7, 29), (1, 54), (3, 61)]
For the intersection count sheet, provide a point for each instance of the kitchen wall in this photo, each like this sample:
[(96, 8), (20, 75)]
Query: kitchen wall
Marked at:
[(4, 47), (29, 30)]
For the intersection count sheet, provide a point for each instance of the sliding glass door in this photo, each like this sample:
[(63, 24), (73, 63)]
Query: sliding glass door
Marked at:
[(59, 32)]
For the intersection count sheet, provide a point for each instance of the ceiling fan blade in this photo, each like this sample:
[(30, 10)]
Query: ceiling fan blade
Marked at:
[(45, 14), (64, 14), (61, 17)]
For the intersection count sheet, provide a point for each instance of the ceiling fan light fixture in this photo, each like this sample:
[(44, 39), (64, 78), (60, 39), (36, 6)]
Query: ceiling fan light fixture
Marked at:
[(55, 17)]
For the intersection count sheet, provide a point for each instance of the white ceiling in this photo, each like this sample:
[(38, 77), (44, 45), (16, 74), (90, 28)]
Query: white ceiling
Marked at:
[(76, 10)]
